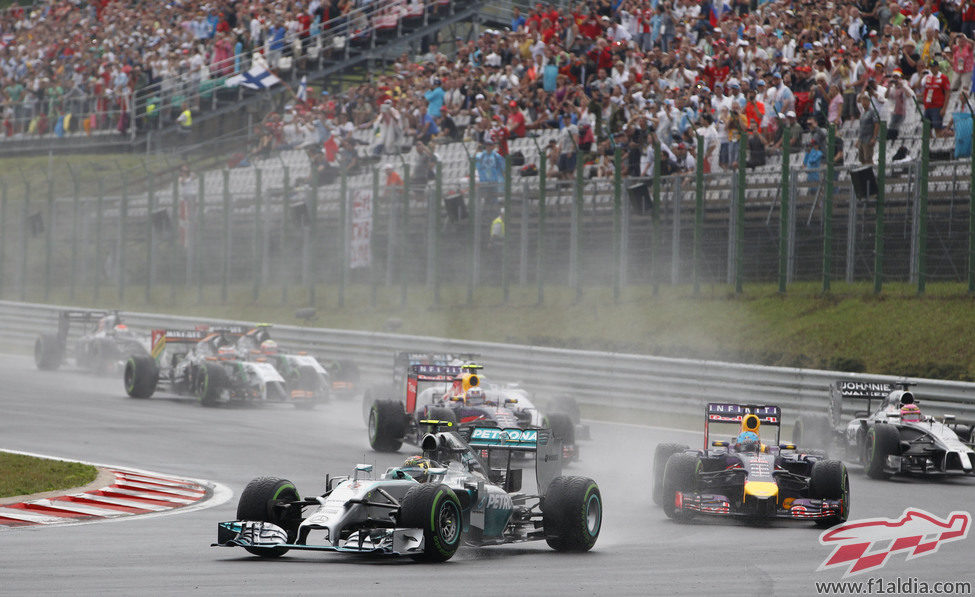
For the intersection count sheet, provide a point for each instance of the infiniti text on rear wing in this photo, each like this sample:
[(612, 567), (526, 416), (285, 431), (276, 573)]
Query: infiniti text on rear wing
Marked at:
[(721, 412)]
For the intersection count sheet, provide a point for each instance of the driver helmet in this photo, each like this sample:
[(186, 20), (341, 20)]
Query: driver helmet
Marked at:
[(475, 396), (226, 352), (748, 441), (269, 347), (911, 413), (419, 467), (121, 328)]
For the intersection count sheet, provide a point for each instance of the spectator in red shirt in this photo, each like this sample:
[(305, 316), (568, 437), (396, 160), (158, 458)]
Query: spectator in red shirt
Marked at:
[(935, 88), (516, 121)]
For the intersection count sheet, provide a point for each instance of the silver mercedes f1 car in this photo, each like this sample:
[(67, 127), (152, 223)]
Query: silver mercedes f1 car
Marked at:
[(462, 491)]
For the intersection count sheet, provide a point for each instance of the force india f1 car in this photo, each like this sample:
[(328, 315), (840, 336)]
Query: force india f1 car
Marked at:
[(439, 387), (430, 506), (748, 479), (894, 438), (208, 365), (106, 344)]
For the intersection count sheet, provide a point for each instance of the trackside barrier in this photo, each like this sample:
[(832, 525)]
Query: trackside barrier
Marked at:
[(596, 379)]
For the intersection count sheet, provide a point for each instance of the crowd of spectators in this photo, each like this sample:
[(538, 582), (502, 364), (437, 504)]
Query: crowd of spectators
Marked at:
[(631, 73), (87, 58)]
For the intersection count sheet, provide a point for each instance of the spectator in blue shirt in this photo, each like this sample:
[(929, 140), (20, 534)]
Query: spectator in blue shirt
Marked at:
[(490, 164), (434, 98), (517, 19)]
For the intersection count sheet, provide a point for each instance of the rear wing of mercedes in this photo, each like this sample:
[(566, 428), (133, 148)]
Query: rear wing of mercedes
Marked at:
[(730, 413), (498, 445)]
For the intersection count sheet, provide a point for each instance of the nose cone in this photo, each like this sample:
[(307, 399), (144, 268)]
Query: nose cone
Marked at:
[(761, 489)]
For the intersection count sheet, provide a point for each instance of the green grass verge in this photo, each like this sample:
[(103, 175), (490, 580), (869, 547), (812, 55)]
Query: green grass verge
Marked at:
[(23, 475), (849, 329)]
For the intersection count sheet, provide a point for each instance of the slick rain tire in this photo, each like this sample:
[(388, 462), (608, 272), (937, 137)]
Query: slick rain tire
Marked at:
[(257, 503), (830, 480), (140, 376), (572, 513), (47, 352), (386, 426), (680, 474), (213, 380), (661, 454), (882, 441), (435, 509)]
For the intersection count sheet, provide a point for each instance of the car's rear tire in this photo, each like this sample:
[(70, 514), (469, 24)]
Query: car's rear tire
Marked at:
[(562, 428), (572, 513), (48, 352), (257, 503), (812, 432), (882, 441), (211, 383), (661, 454), (435, 509), (141, 376), (680, 475), (387, 425), (829, 480)]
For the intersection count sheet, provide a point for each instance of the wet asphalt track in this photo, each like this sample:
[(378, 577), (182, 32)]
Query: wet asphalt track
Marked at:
[(639, 552)]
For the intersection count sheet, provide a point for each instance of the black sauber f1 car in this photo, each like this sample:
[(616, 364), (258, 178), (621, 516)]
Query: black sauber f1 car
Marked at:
[(430, 506), (105, 345), (746, 478), (446, 389), (893, 438)]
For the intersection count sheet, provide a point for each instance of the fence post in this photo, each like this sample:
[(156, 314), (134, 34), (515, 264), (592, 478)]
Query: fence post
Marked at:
[(258, 234), (198, 235), (971, 221), (343, 235), (437, 203), (922, 239), (403, 241), (49, 239), (282, 249), (617, 223), (99, 217), (540, 248), (120, 252), (24, 233), (784, 210), (150, 236), (575, 273), (878, 264), (698, 212), (225, 270), (506, 219), (75, 216), (3, 236), (473, 214), (740, 216), (655, 217), (373, 270), (828, 207), (176, 234), (312, 279)]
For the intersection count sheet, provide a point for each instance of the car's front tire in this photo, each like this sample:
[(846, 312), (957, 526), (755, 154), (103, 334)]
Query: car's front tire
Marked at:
[(435, 509), (882, 441), (48, 352), (141, 376), (661, 454), (680, 475), (387, 425), (829, 480), (259, 502), (572, 513)]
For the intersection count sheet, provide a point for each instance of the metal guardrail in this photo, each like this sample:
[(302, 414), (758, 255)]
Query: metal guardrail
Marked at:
[(599, 379)]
